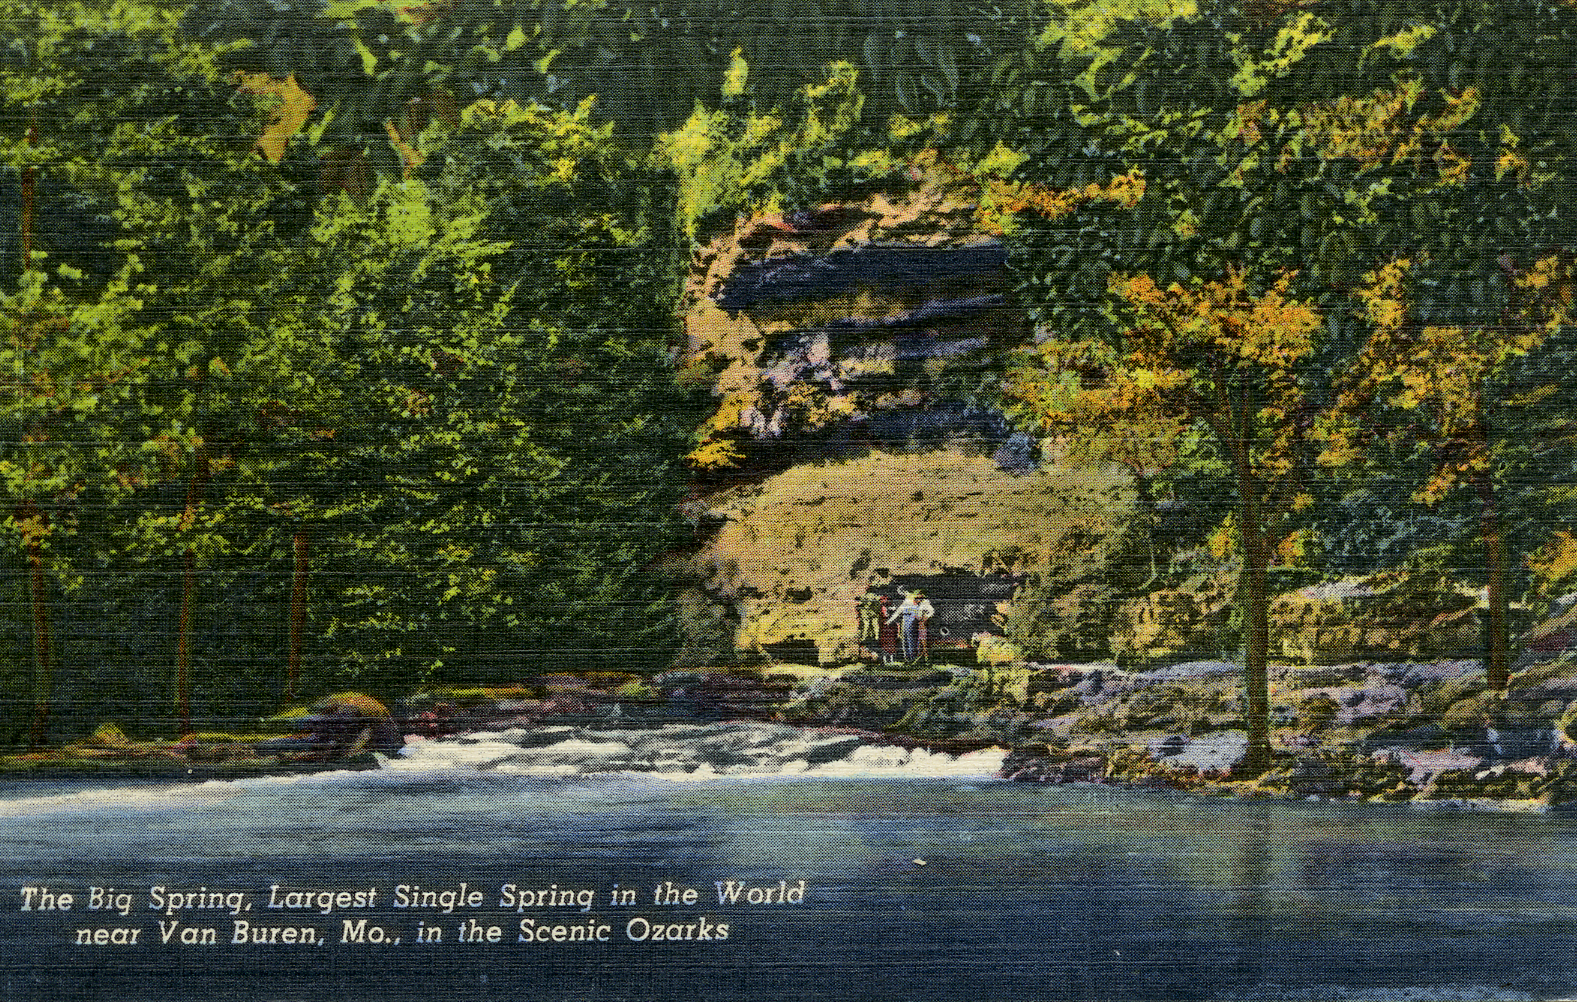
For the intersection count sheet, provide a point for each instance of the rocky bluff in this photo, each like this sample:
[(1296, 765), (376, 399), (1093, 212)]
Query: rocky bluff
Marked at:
[(852, 350), (849, 328)]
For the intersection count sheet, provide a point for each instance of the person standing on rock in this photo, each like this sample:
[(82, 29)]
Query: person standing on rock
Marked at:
[(889, 633), (869, 609), (913, 613)]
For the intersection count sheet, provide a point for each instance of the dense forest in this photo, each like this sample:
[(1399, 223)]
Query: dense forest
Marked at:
[(344, 341)]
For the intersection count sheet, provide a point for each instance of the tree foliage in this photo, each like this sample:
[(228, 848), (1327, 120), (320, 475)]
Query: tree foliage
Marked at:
[(446, 400), (1301, 149), (140, 203), (1214, 360), (1460, 402), (411, 376)]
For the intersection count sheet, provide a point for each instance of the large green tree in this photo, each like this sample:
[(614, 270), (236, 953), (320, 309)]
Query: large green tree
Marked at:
[(140, 204), (646, 65), (1464, 364), (1305, 143), (1184, 308), (472, 407)]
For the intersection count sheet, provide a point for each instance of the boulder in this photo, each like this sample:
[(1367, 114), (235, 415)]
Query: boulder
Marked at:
[(1412, 674), (892, 680), (1393, 736), (1385, 616), (1322, 675), (1174, 623), (1315, 777), (1039, 763), (1209, 754), (1191, 670), (1424, 766), (108, 736), (341, 725), (1554, 636), (1172, 744), (1363, 703), (1562, 689), (1055, 679)]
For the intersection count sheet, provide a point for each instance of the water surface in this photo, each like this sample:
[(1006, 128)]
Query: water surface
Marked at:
[(923, 879)]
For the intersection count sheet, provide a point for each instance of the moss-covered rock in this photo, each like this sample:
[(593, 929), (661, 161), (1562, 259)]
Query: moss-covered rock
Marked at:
[(845, 705), (1042, 763), (108, 735), (1189, 620), (1390, 616), (344, 724), (923, 678)]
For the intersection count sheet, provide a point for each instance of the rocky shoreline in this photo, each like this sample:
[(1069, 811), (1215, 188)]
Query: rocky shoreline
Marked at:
[(1425, 731), (1412, 731)]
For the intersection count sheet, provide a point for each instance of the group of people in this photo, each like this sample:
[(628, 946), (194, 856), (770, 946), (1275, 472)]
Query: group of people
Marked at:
[(895, 634)]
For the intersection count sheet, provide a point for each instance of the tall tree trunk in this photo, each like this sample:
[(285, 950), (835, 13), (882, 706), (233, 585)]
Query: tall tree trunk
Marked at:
[(43, 666), (298, 615), (183, 652), (1252, 593), (32, 518), (29, 182), (1497, 629), (1253, 604)]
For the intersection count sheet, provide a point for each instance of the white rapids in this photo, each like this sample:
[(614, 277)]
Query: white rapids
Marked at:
[(688, 752), (673, 753)]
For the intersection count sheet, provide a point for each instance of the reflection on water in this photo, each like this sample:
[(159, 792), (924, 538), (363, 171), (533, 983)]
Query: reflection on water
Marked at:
[(930, 883)]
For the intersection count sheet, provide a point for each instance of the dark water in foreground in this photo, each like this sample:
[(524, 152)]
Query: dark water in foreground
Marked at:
[(1024, 893)]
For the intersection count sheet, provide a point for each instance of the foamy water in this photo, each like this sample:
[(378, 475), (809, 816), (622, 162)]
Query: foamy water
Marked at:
[(690, 753), (673, 754), (166, 796)]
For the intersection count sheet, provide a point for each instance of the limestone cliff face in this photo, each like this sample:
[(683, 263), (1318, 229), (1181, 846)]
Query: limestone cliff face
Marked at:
[(848, 347), (1389, 616), (851, 327)]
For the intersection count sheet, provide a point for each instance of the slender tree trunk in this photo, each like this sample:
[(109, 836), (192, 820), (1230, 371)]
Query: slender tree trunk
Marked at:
[(1497, 630), (1252, 594), (298, 616), (43, 654), (29, 190), (1253, 603), (29, 180), (183, 652), (1144, 516), (43, 666)]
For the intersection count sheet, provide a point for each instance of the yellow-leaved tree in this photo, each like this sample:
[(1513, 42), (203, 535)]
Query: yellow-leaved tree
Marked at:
[(1216, 360), (1477, 402)]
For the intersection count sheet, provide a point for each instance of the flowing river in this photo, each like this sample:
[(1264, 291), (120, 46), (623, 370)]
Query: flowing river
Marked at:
[(556, 865)]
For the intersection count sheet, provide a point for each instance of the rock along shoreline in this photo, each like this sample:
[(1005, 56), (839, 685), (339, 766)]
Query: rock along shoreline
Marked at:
[(1427, 733)]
